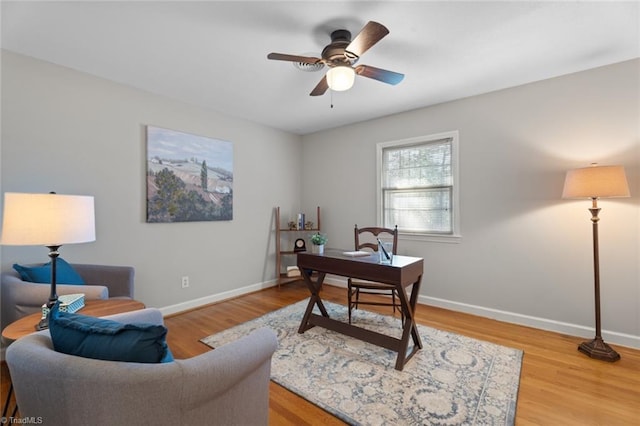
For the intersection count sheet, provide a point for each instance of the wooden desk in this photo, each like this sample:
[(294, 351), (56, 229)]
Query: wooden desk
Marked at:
[(95, 308), (403, 272)]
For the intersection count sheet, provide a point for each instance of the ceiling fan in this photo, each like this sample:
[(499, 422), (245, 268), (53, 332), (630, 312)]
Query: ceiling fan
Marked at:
[(341, 55)]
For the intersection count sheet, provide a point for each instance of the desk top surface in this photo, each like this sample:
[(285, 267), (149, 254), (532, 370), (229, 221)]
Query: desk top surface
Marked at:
[(403, 270), (373, 258)]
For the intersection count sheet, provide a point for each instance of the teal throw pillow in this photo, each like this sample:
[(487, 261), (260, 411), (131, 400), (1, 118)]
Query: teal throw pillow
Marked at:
[(108, 340), (65, 274)]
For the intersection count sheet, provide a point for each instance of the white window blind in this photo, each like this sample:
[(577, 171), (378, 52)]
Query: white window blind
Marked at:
[(417, 186)]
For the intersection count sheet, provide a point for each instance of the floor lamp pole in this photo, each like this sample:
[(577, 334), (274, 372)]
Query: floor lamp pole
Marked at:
[(597, 348)]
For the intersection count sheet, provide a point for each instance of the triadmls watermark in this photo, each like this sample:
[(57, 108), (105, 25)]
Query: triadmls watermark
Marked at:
[(21, 420)]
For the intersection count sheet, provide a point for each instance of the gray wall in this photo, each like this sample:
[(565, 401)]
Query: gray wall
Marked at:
[(77, 134), (525, 254)]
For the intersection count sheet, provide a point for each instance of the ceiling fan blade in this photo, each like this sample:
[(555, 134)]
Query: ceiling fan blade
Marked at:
[(379, 74), (293, 58), (320, 88), (372, 33)]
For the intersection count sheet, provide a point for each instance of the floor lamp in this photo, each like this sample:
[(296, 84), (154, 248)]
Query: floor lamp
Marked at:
[(596, 182), (50, 220)]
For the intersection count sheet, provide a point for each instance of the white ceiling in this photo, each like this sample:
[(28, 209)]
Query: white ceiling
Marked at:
[(214, 54)]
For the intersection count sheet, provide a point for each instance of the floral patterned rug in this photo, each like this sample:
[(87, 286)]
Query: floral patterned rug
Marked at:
[(453, 380)]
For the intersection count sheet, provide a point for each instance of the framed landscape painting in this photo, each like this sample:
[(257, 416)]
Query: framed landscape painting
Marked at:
[(189, 177)]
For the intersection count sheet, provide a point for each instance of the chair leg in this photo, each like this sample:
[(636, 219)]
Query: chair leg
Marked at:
[(349, 298), (353, 295), (353, 304)]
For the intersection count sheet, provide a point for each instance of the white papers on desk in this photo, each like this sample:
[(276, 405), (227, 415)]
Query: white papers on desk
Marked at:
[(356, 253)]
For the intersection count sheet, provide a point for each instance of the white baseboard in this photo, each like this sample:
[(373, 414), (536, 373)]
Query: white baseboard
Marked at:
[(202, 301), (621, 339)]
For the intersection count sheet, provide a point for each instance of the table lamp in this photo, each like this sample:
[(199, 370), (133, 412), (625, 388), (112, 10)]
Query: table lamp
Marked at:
[(596, 182), (50, 220)]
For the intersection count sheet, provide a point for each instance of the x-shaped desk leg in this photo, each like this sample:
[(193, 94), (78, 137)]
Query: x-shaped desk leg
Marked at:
[(314, 300), (409, 326)]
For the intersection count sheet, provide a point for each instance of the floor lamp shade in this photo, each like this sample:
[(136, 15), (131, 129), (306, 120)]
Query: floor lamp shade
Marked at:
[(596, 182), (47, 219)]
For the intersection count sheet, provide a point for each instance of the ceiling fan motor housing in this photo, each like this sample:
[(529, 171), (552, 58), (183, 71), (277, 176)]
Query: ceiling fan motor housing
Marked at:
[(335, 53)]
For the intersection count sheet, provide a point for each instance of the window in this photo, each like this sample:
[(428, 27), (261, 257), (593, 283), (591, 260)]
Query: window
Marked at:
[(418, 188)]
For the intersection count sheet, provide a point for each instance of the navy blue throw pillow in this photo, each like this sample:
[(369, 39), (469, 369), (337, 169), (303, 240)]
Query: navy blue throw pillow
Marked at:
[(108, 340), (65, 274)]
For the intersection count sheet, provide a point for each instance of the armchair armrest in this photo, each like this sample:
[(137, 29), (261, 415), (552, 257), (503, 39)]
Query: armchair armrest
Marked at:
[(147, 315), (21, 298), (236, 374), (119, 279)]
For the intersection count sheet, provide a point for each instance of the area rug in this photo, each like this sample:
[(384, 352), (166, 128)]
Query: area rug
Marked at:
[(453, 380)]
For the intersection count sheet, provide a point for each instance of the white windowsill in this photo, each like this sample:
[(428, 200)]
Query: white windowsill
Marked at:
[(431, 238)]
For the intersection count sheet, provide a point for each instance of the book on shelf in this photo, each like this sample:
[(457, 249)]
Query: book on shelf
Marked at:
[(293, 271)]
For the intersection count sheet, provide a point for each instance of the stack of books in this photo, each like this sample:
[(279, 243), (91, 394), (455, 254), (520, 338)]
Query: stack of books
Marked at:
[(68, 303), (293, 271)]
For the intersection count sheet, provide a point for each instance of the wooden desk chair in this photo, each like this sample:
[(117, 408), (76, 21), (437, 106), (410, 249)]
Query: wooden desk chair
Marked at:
[(366, 239)]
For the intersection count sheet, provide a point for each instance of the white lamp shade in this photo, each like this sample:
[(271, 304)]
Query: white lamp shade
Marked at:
[(596, 182), (340, 78), (47, 219)]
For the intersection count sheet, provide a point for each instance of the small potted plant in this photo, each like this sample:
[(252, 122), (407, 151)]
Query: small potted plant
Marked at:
[(318, 240)]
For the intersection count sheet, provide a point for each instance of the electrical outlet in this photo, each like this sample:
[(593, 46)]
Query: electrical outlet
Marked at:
[(185, 281)]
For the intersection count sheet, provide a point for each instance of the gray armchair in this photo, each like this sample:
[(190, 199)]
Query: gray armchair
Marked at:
[(225, 386), (21, 298)]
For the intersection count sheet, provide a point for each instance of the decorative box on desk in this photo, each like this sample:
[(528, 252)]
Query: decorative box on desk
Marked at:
[(68, 303)]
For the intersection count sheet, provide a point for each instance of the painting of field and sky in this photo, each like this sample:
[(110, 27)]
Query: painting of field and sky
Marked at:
[(189, 177)]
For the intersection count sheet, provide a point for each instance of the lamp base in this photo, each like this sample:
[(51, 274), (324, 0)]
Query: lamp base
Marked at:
[(43, 324), (598, 349)]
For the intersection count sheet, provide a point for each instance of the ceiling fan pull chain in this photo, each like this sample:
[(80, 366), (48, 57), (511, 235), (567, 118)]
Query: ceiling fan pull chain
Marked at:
[(331, 94)]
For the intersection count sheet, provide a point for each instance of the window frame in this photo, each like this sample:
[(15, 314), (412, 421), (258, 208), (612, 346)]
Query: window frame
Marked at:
[(454, 236)]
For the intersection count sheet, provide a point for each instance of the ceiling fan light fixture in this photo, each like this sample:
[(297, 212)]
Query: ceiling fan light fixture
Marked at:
[(340, 78)]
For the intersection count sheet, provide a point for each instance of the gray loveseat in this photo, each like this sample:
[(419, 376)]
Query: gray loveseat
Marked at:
[(21, 298), (225, 386)]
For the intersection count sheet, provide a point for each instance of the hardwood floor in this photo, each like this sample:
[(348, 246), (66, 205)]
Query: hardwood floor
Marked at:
[(559, 385)]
